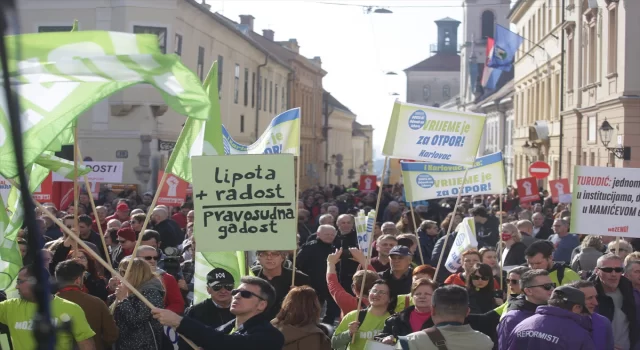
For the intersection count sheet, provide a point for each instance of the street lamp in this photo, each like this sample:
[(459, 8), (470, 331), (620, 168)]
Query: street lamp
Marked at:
[(606, 132), (530, 150)]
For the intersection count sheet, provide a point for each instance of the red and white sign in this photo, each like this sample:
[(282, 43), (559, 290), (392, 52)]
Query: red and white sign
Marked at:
[(368, 183), (44, 192), (539, 170), (528, 190), (560, 191), (173, 191)]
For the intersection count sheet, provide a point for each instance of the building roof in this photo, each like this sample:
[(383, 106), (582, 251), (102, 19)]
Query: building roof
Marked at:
[(440, 62), (448, 19), (515, 7), (356, 130), (331, 100)]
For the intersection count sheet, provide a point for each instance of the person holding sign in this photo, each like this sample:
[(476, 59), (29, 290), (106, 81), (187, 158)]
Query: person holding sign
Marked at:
[(250, 330)]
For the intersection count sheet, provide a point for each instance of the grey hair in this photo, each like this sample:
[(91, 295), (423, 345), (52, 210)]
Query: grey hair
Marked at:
[(607, 257), (145, 248), (629, 264), (526, 279), (326, 227), (324, 216), (563, 222), (520, 270)]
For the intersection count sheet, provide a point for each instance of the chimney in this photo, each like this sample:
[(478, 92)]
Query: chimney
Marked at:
[(268, 34), (247, 20), (292, 45), (317, 60)]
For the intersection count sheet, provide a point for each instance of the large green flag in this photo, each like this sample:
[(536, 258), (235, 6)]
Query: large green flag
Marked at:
[(62, 75), (232, 262), (199, 137), (10, 258)]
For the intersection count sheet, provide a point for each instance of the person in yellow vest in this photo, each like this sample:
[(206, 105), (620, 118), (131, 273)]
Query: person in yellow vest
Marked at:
[(513, 285), (539, 255), (423, 271)]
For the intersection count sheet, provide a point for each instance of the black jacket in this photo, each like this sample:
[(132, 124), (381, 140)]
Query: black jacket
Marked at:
[(398, 286), (438, 250), (312, 260), (208, 314), (398, 325), (515, 256), (544, 233), (606, 307), (171, 234), (427, 243), (489, 232), (282, 285), (256, 333)]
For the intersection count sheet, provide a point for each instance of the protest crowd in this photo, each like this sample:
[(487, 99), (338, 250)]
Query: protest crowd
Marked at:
[(563, 290)]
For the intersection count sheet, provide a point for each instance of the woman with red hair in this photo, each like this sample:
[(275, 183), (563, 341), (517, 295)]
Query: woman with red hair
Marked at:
[(94, 282)]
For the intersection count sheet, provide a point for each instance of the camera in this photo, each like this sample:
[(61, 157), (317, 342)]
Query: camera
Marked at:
[(171, 261)]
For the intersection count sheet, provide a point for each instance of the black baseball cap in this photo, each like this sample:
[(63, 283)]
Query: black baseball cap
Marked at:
[(219, 276), (571, 295), (400, 250)]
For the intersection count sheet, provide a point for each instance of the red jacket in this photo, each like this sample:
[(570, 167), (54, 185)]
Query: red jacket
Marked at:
[(180, 219), (173, 297)]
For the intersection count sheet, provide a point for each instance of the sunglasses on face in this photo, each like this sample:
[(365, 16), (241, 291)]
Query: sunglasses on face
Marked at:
[(510, 281), (245, 294), (546, 286), (218, 287), (611, 269), (148, 258), (477, 278)]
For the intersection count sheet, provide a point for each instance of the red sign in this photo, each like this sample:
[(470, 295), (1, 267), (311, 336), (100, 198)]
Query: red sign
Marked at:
[(173, 191), (368, 183), (560, 190), (539, 170), (44, 192), (528, 190)]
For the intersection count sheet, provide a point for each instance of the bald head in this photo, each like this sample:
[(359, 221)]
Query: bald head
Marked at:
[(525, 226), (159, 214)]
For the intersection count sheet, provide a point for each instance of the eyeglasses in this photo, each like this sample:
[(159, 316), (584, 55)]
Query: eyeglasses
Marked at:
[(546, 286), (477, 278), (149, 258), (218, 287), (514, 281), (245, 294), (615, 251), (611, 269), (378, 292)]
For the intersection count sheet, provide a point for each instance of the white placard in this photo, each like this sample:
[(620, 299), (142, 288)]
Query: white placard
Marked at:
[(102, 172)]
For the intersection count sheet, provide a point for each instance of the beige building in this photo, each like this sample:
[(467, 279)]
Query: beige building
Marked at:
[(347, 142), (602, 83), (537, 127), (135, 126)]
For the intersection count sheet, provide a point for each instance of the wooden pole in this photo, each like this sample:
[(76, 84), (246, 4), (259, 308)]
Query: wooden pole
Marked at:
[(500, 245), (76, 186), (99, 259), (95, 214), (446, 239), (368, 260), (295, 251), (415, 231), (146, 220)]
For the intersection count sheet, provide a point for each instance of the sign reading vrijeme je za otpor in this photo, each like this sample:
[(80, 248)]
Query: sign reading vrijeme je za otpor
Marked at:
[(244, 202), (606, 201)]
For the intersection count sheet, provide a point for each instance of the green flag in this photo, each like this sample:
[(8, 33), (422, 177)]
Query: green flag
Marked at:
[(48, 162), (10, 258), (199, 137), (65, 74), (232, 262), (75, 26)]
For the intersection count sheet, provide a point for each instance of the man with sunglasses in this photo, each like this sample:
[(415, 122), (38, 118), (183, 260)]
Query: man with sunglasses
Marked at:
[(616, 300), (251, 329), (536, 286)]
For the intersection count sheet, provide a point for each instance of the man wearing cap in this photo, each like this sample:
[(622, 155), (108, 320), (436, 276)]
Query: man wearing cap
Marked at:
[(560, 325), (398, 276), (122, 213), (214, 312)]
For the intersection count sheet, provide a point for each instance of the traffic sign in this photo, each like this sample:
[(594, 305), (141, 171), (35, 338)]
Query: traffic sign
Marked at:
[(539, 170)]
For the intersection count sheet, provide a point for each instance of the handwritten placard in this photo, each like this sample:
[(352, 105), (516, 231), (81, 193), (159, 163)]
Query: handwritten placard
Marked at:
[(244, 202)]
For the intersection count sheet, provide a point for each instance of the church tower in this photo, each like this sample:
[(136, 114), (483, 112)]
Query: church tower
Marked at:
[(479, 22)]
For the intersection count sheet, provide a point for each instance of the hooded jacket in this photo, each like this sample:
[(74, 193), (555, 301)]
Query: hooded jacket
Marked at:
[(309, 337), (138, 329), (606, 308), (552, 328), (518, 310)]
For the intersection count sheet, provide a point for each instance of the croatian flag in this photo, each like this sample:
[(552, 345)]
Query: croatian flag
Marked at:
[(490, 76), (505, 47)]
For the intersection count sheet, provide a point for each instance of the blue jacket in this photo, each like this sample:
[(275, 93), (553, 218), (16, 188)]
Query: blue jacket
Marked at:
[(552, 328), (602, 333), (518, 310)]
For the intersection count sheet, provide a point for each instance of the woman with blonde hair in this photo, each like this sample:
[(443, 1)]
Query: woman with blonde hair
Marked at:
[(513, 250), (138, 329), (298, 321)]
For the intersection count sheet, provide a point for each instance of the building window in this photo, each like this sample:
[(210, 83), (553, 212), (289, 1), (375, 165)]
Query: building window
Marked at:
[(446, 92), (592, 159), (284, 105), (593, 44), (160, 32), (264, 96), (259, 93), (592, 128), (178, 45), (544, 18), (253, 90), (426, 92), (488, 24), (570, 63), (200, 67), (275, 99), (236, 84), (569, 165), (52, 29), (242, 123), (270, 96), (613, 41), (246, 87), (550, 23), (220, 78)]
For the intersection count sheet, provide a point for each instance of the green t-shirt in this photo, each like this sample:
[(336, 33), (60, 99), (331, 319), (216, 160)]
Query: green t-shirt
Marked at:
[(371, 327), (17, 314)]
